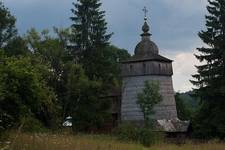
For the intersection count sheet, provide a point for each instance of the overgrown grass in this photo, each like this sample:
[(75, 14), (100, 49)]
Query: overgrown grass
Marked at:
[(90, 142)]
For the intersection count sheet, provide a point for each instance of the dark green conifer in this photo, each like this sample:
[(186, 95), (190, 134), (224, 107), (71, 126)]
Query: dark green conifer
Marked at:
[(92, 40), (89, 26), (210, 78)]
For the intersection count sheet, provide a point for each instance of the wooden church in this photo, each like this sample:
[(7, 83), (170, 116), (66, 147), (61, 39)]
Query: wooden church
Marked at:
[(148, 64)]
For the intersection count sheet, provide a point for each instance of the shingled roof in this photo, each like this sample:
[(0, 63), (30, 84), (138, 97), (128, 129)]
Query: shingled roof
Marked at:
[(153, 57), (174, 125)]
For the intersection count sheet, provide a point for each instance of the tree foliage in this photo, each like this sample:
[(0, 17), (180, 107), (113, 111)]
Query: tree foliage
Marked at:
[(24, 92), (41, 81), (78, 95), (90, 35), (17, 47), (83, 100), (183, 111), (105, 66), (7, 26), (210, 79), (52, 51), (90, 27), (148, 98), (98, 58)]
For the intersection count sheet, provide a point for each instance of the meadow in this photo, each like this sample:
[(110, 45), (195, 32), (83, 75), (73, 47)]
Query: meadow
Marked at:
[(91, 142)]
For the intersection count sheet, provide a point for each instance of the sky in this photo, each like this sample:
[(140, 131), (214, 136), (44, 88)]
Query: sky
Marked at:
[(174, 25)]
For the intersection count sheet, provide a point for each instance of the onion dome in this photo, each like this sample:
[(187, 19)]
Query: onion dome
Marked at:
[(146, 47)]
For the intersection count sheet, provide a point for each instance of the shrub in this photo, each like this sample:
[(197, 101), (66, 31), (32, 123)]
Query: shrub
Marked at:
[(31, 124), (126, 132), (145, 136)]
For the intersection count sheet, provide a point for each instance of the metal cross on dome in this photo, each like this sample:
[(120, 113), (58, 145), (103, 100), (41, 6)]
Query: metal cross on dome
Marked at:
[(145, 11)]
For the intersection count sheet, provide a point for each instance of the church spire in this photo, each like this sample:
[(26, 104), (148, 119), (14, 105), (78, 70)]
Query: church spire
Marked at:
[(146, 48), (145, 27)]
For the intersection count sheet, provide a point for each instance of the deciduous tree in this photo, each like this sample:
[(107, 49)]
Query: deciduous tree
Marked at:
[(7, 26), (148, 98), (24, 92)]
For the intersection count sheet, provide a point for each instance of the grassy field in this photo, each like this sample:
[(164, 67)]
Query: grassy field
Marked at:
[(88, 142)]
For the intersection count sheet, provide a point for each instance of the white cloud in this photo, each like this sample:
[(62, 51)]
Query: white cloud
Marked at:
[(184, 67)]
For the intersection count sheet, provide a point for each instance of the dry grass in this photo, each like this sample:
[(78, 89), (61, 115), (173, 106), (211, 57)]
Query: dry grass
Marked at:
[(208, 146), (85, 142)]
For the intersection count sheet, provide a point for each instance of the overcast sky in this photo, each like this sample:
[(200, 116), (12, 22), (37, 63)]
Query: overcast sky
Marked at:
[(174, 25)]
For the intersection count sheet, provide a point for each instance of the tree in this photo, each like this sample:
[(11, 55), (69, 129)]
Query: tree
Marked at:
[(7, 26), (98, 58), (82, 99), (78, 95), (24, 93), (17, 47), (52, 51), (89, 34), (90, 27), (64, 35), (148, 98), (210, 79), (183, 112), (105, 66)]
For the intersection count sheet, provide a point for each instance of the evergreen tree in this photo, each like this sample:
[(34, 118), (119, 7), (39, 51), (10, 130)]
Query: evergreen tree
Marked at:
[(210, 79), (7, 26), (90, 34), (99, 61), (90, 27)]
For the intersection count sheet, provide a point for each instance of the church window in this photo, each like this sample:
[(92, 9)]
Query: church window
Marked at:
[(167, 67), (144, 68), (131, 68)]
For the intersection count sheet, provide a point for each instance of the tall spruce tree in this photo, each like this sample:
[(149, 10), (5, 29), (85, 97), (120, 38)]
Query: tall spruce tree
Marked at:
[(90, 27), (210, 79), (89, 34)]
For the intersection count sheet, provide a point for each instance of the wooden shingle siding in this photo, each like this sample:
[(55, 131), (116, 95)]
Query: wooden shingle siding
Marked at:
[(147, 68), (132, 85)]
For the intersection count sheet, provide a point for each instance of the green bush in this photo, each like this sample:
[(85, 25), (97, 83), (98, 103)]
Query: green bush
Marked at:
[(126, 132), (145, 136), (32, 125)]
